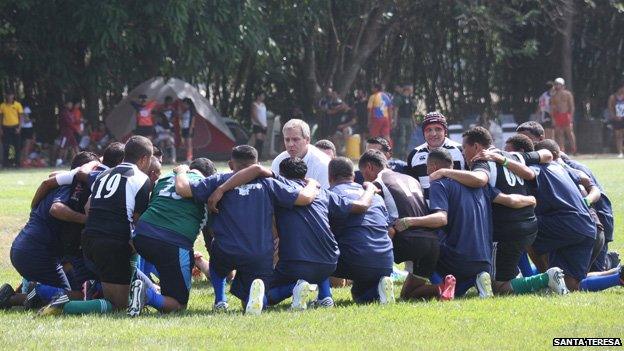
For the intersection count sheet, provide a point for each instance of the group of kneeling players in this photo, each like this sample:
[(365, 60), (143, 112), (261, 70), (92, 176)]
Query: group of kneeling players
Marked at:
[(277, 236)]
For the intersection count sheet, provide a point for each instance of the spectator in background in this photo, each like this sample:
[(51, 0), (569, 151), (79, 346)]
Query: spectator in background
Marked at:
[(11, 113), (99, 137), (380, 113), (327, 147), (543, 111), (165, 139), (27, 135), (187, 113), (67, 138), (562, 108), (322, 119), (341, 120), (361, 110), (144, 117), (616, 115), (259, 122), (78, 122), (404, 107)]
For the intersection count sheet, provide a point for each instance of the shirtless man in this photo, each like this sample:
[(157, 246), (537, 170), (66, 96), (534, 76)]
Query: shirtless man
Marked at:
[(562, 108), (616, 115)]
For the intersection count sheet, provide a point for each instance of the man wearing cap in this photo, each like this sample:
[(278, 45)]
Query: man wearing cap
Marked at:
[(562, 108), (435, 130)]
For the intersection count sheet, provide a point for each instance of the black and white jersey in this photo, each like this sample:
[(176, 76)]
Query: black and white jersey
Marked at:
[(417, 161), (116, 195), (508, 221), (404, 197)]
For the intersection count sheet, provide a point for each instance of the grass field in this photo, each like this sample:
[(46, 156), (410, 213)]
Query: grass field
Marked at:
[(517, 323)]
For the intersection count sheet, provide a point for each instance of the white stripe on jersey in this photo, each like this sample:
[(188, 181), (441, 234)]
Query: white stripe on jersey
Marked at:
[(419, 159), (133, 185)]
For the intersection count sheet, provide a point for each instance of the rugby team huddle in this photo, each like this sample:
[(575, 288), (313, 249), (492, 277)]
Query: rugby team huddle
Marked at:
[(458, 215)]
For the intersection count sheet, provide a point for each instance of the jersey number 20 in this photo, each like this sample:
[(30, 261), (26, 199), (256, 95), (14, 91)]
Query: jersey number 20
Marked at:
[(109, 184)]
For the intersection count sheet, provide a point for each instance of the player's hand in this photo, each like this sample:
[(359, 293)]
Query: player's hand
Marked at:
[(401, 224), (214, 199), (486, 155), (439, 174), (313, 181), (181, 169), (532, 200), (368, 185)]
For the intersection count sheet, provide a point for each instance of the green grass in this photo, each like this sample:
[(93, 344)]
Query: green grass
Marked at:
[(522, 323)]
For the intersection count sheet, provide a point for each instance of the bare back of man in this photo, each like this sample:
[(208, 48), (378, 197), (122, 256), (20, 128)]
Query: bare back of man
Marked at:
[(562, 107)]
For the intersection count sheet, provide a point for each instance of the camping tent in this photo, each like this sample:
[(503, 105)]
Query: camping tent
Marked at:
[(212, 137)]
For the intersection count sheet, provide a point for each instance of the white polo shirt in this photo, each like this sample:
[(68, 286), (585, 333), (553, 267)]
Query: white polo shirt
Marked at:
[(316, 160)]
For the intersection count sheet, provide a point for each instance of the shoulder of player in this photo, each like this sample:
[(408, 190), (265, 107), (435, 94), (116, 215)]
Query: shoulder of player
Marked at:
[(451, 144)]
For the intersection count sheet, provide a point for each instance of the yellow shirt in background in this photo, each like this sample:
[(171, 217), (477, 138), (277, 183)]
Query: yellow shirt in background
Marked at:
[(10, 113)]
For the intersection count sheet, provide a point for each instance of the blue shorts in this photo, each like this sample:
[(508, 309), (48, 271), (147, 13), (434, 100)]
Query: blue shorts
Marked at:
[(364, 278), (571, 253), (174, 265), (247, 269), (39, 266), (288, 272)]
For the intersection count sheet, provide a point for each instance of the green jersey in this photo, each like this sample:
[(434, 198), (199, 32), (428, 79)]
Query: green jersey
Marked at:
[(170, 217)]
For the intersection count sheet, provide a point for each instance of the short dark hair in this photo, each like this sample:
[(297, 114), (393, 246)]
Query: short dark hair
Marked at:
[(293, 168), (377, 86), (441, 156), (142, 96), (113, 154), (325, 145), (203, 165), (136, 148), (157, 151), (168, 98), (478, 135), (385, 145), (521, 142), (244, 154), (550, 145), (531, 127), (374, 157), (83, 157), (340, 168)]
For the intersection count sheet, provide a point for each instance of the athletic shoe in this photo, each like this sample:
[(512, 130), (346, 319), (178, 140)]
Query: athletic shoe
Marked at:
[(556, 283), (33, 300), (327, 302), (301, 291), (398, 275), (137, 298), (447, 288), (6, 291), (55, 307), (256, 298), (386, 290), (220, 307), (484, 285)]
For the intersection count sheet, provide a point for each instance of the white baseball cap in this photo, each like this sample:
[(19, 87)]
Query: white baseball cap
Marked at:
[(560, 81)]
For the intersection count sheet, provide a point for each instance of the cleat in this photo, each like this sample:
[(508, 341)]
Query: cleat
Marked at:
[(55, 307), (613, 259), (33, 300), (484, 285), (256, 298), (327, 302), (398, 275), (385, 288), (6, 291), (137, 298), (556, 283), (220, 307), (447, 288), (300, 295)]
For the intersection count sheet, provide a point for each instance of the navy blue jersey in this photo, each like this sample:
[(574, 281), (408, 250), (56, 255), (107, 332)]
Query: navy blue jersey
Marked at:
[(363, 238), (244, 224), (42, 230), (116, 195), (468, 233), (71, 232), (559, 198), (304, 232), (603, 206), (95, 173)]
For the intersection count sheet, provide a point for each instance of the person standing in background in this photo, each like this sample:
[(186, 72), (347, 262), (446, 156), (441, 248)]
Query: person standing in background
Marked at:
[(616, 115), (11, 113), (259, 122), (187, 125), (543, 111), (404, 117), (562, 108), (27, 134), (380, 113)]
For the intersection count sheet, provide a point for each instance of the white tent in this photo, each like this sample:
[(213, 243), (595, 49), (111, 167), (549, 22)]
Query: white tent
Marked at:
[(121, 120)]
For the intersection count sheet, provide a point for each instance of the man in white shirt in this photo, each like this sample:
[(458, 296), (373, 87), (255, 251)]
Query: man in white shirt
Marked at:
[(259, 122), (297, 142)]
